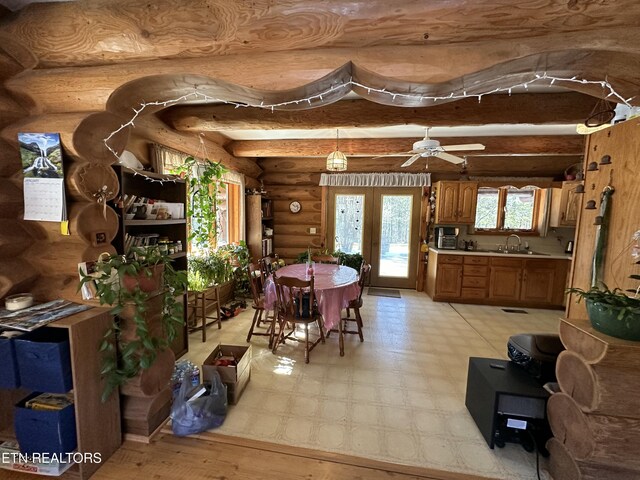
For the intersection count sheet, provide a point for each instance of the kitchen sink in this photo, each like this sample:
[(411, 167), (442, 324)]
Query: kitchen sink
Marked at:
[(521, 252)]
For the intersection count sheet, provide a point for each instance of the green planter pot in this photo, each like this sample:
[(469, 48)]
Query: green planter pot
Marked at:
[(604, 318)]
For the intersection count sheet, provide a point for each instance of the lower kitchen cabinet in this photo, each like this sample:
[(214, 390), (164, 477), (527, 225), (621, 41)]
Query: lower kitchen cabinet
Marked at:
[(449, 281), (495, 280), (536, 286), (505, 283)]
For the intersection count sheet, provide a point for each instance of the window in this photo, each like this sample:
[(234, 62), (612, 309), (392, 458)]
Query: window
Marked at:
[(507, 208), (230, 198)]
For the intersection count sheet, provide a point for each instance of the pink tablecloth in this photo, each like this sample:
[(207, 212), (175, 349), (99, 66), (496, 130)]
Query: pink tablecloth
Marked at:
[(334, 286)]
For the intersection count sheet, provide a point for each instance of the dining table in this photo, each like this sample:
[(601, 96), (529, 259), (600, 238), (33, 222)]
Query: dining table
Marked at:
[(334, 286)]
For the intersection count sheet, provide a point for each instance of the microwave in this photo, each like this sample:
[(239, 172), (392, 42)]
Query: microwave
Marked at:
[(446, 238)]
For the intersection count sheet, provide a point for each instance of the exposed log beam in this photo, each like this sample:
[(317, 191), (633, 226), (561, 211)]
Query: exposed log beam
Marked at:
[(534, 108), (66, 34), (49, 89), (288, 171), (368, 147), (154, 130)]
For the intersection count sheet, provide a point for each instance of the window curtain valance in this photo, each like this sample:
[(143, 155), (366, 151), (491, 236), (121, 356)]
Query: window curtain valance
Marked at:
[(375, 179)]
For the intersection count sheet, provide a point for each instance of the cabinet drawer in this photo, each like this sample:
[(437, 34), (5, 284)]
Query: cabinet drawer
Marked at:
[(475, 271), (476, 282), (506, 262), (474, 293), (450, 259), (469, 260)]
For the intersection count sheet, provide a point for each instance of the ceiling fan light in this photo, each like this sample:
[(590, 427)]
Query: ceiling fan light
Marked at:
[(337, 161)]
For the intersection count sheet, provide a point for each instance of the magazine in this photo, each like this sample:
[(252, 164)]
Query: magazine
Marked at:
[(29, 319)]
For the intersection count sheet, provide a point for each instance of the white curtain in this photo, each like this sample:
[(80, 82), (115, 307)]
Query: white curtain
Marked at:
[(375, 180)]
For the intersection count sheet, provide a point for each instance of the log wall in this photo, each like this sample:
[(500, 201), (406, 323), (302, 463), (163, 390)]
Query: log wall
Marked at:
[(595, 419), (17, 274), (291, 230)]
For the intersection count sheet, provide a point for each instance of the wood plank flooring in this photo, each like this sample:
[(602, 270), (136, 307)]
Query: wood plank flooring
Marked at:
[(212, 456)]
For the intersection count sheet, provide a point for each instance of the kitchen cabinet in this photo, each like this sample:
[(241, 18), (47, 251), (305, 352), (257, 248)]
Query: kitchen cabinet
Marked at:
[(535, 281), (456, 202), (536, 286), (565, 204), (505, 279), (449, 279), (496, 280)]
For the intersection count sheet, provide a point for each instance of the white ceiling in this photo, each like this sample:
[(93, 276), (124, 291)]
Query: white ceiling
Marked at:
[(404, 131)]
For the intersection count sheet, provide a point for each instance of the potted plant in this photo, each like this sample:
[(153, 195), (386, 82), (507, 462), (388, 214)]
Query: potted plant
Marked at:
[(614, 312), (203, 178), (129, 282)]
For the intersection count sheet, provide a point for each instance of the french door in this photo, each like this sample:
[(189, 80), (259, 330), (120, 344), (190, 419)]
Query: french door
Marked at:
[(382, 225)]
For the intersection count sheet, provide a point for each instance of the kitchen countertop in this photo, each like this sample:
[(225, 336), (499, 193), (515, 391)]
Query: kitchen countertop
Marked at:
[(492, 253)]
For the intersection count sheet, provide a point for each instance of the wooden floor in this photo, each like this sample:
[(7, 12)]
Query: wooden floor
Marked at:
[(212, 456), (215, 456)]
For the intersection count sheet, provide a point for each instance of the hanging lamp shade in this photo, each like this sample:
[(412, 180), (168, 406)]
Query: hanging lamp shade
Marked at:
[(337, 161)]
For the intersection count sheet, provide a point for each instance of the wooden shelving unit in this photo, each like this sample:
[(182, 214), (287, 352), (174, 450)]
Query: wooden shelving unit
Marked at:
[(259, 213), (173, 190), (97, 423)]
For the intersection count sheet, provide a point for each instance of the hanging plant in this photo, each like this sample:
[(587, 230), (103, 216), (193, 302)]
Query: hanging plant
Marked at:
[(203, 179)]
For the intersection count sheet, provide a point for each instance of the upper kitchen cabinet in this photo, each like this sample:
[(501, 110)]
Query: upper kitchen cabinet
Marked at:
[(565, 205), (456, 202)]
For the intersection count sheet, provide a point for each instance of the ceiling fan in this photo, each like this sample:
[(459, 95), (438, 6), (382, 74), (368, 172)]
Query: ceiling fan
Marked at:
[(428, 147)]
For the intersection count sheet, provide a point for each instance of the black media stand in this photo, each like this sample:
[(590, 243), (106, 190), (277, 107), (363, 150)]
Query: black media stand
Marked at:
[(507, 404)]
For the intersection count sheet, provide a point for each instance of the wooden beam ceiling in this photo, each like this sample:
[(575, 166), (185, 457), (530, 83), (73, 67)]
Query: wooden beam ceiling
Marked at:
[(299, 170), (66, 34), (534, 108), (368, 147)]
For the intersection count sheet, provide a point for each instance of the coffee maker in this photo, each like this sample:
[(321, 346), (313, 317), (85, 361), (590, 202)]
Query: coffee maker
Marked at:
[(446, 238)]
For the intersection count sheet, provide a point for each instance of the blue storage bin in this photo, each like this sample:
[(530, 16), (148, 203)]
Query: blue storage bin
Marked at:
[(9, 377), (45, 431), (44, 360)]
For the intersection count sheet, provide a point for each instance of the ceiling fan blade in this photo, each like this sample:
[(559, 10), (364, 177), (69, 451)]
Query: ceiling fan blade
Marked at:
[(468, 146), (449, 158), (411, 160), (398, 154)]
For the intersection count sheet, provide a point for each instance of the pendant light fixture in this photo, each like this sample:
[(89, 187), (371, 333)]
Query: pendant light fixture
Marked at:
[(337, 161)]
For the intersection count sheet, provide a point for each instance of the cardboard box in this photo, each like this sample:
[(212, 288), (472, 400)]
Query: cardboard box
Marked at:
[(44, 360), (9, 377), (234, 377), (45, 431)]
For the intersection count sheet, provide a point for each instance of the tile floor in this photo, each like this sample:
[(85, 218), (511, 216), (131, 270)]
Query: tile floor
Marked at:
[(397, 397)]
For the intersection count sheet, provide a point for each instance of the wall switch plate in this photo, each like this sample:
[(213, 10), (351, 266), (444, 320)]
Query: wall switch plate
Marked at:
[(312, 230)]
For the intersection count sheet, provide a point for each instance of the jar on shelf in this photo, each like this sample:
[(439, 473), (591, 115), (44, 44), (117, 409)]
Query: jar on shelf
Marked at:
[(163, 245)]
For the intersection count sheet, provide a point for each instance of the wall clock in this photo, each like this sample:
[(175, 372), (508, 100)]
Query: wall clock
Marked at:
[(295, 207)]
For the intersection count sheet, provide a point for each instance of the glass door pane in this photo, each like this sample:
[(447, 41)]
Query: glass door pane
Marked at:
[(349, 221), (395, 235)]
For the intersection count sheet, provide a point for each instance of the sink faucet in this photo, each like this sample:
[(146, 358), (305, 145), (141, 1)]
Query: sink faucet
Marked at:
[(506, 245)]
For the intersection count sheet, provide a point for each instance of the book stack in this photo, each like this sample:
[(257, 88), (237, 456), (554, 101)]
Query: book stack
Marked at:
[(140, 240), (50, 401)]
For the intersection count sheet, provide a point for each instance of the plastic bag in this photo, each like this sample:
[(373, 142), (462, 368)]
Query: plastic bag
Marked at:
[(200, 414)]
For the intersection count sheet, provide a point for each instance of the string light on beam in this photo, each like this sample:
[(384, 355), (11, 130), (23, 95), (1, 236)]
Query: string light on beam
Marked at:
[(416, 97)]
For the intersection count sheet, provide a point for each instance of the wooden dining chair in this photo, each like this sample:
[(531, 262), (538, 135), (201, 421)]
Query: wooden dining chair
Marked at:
[(325, 259), (268, 265), (258, 305), (295, 306), (354, 305)]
